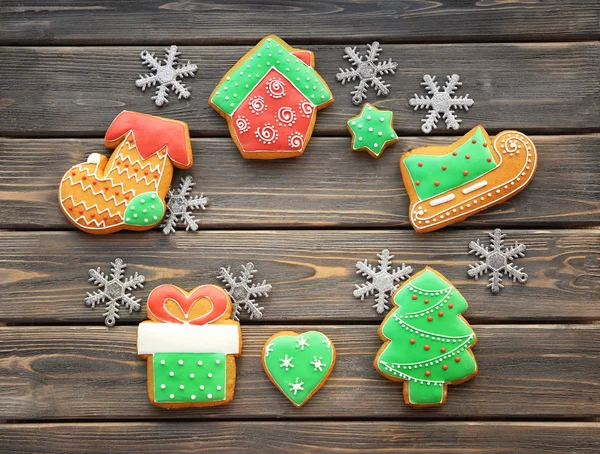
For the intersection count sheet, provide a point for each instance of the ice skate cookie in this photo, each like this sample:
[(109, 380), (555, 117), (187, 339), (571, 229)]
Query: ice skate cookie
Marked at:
[(127, 190), (298, 364), (270, 100), (427, 342), (447, 184), (190, 345)]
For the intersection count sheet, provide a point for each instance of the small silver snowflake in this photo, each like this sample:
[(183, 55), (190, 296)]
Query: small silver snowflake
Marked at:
[(114, 291), (497, 260), (441, 102), (180, 204), (368, 71), (242, 293), (167, 74), (382, 281)]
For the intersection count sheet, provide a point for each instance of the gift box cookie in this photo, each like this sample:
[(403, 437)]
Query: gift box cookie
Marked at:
[(190, 345)]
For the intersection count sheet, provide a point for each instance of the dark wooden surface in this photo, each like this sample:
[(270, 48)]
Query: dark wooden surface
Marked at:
[(70, 385)]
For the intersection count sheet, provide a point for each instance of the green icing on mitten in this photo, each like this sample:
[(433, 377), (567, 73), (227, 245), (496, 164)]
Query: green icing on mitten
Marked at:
[(145, 209)]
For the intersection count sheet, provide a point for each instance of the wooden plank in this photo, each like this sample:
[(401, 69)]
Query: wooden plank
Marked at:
[(68, 21), (94, 373), (328, 186), (301, 436), (44, 275), (67, 91)]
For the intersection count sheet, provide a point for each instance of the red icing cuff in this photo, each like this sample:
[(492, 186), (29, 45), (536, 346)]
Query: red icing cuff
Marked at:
[(152, 134)]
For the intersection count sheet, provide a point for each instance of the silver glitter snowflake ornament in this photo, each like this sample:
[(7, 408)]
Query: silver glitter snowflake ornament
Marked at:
[(441, 102), (243, 292), (382, 280), (167, 74), (114, 291), (368, 71), (180, 205), (497, 260)]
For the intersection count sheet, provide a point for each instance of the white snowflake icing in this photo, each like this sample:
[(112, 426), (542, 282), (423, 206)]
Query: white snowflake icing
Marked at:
[(286, 362), (441, 102), (302, 342), (368, 71), (318, 364), (242, 293), (180, 205), (382, 281), (295, 387), (326, 341), (114, 291), (269, 349), (497, 260), (167, 74)]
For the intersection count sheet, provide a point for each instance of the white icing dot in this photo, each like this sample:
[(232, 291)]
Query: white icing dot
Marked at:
[(379, 133), (193, 397), (135, 215), (180, 362), (163, 386), (143, 200), (181, 386), (172, 396), (202, 387), (218, 361), (375, 145), (192, 375), (162, 361), (172, 374), (219, 388), (209, 396), (146, 220), (209, 375), (199, 363), (153, 196)]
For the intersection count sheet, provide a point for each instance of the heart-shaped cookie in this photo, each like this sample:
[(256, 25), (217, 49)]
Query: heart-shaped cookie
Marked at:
[(298, 364)]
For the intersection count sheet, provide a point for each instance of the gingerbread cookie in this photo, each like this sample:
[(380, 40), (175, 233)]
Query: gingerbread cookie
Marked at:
[(190, 345), (447, 184), (298, 364), (372, 130), (270, 100), (427, 343), (127, 190)]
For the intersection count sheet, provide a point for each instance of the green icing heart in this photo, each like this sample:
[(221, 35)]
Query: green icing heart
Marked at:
[(299, 364), (145, 209)]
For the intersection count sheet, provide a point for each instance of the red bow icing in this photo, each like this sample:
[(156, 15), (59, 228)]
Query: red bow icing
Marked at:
[(158, 298), (152, 134)]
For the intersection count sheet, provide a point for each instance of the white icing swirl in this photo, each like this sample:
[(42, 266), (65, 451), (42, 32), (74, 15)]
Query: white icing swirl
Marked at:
[(257, 105), (276, 88), (286, 116), (306, 108), (242, 124), (266, 134), (296, 140)]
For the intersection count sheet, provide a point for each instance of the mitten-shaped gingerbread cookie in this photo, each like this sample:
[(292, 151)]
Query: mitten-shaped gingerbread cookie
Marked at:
[(427, 341), (190, 344), (270, 99), (127, 190), (447, 184)]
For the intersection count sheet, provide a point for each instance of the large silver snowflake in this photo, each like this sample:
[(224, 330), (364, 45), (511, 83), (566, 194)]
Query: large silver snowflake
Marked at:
[(497, 260), (382, 280), (114, 291), (180, 205), (441, 102), (243, 292), (167, 74), (368, 71)]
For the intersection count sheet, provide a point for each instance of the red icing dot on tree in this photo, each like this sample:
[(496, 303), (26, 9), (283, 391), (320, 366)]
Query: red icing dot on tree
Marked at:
[(70, 208), (430, 318), (457, 359), (473, 141), (484, 144), (444, 167), (426, 301), (418, 183), (445, 367), (420, 164), (427, 373), (426, 347), (93, 215), (450, 306), (489, 159), (414, 297), (454, 153), (443, 349), (440, 313), (105, 217), (436, 183), (468, 156), (412, 341), (465, 173), (94, 183)]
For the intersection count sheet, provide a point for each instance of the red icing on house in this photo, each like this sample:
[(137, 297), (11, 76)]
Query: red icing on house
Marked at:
[(152, 134)]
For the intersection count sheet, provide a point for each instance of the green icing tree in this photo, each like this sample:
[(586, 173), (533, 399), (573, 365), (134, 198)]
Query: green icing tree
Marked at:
[(427, 342)]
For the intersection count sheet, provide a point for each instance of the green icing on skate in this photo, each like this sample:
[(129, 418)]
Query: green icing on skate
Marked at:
[(269, 54), (431, 170), (406, 360), (196, 377), (144, 209), (372, 129), (299, 362)]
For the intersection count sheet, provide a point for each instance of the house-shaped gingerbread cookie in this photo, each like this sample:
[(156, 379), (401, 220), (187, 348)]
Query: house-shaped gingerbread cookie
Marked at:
[(270, 100)]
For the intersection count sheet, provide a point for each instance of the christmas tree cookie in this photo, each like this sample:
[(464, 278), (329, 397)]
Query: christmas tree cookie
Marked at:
[(298, 364), (447, 184), (427, 343), (127, 190), (372, 130), (190, 345), (270, 100)]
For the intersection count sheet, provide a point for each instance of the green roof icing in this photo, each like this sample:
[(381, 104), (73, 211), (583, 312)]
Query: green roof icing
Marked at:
[(269, 54)]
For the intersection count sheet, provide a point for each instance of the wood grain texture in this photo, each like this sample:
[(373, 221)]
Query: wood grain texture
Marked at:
[(306, 437), (77, 91), (198, 22), (329, 186), (94, 373), (313, 273)]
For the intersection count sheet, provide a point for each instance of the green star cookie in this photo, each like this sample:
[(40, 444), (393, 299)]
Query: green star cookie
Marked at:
[(372, 130)]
